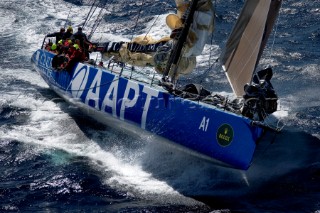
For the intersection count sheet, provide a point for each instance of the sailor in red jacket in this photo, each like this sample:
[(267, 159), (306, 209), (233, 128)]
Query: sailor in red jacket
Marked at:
[(75, 55)]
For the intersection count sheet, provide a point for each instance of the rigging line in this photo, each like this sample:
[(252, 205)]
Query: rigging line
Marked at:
[(85, 21), (98, 21), (139, 13), (151, 27), (278, 124), (209, 61), (267, 122), (100, 53), (65, 24), (93, 11), (275, 32)]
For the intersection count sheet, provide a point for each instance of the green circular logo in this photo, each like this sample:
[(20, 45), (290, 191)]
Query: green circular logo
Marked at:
[(225, 135)]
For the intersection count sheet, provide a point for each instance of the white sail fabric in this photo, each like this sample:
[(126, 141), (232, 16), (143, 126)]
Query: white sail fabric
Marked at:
[(243, 46), (201, 29)]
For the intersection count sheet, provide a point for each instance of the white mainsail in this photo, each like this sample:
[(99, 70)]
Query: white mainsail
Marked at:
[(247, 40)]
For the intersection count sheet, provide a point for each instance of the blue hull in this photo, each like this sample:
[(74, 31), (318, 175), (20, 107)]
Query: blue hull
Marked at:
[(200, 127)]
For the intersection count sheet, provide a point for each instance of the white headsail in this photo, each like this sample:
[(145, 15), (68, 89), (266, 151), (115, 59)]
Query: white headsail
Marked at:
[(247, 40)]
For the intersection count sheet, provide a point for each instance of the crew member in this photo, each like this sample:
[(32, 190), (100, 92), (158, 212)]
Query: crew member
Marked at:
[(84, 42), (68, 34), (58, 35)]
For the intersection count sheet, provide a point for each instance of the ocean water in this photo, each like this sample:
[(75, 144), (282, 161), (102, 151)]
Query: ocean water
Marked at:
[(54, 159)]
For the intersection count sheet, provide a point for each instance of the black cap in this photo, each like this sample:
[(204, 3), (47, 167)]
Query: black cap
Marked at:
[(79, 28)]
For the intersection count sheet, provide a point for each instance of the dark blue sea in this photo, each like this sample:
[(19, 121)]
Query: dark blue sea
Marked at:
[(54, 159)]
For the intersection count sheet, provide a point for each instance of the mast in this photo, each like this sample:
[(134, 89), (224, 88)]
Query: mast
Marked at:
[(176, 51)]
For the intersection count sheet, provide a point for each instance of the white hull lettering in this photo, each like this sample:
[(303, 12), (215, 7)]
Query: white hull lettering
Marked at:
[(110, 99), (126, 102), (150, 93), (79, 81), (92, 90), (204, 124)]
